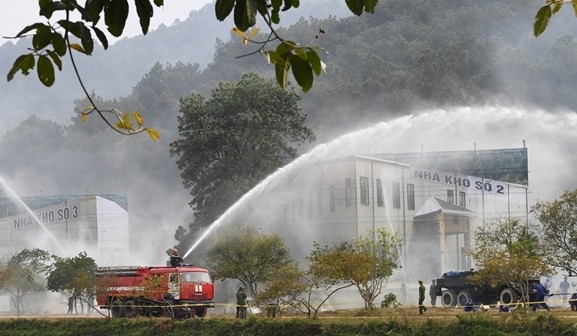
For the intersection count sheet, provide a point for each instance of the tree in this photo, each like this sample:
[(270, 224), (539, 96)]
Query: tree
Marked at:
[(244, 254), (74, 277), (559, 220), (230, 142), (366, 264), (309, 290), (375, 257), (21, 275), (508, 251)]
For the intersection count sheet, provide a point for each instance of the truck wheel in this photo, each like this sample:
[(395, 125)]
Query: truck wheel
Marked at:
[(448, 298), (508, 296), (130, 309), (201, 312), (463, 297), (117, 309)]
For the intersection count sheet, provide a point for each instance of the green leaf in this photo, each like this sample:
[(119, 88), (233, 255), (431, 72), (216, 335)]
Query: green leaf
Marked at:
[(26, 29), (245, 14), (370, 5), (273, 57), (73, 27), (23, 63), (574, 4), (55, 58), (48, 7), (94, 8), (262, 8), (356, 6), (42, 38), (87, 42), (284, 48), (281, 71), (290, 3), (101, 37), (275, 10), (302, 72), (115, 15), (145, 11), (557, 7), (314, 61), (276, 4), (301, 52), (45, 70), (159, 3), (541, 20), (223, 8), (58, 43)]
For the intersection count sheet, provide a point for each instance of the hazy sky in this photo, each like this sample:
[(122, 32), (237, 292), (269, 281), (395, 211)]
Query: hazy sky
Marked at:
[(25, 12)]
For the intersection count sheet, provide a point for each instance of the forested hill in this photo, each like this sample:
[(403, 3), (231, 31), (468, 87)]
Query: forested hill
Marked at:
[(408, 55)]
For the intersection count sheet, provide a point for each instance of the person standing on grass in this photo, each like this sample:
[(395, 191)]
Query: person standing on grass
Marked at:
[(422, 289), (241, 303), (564, 287), (540, 297), (70, 304), (433, 293)]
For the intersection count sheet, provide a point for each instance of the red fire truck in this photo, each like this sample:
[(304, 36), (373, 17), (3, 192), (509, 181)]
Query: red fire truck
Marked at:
[(179, 292)]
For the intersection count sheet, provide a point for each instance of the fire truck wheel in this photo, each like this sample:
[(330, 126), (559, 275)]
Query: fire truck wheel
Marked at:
[(130, 309), (463, 297), (449, 298), (201, 312), (508, 296), (117, 309)]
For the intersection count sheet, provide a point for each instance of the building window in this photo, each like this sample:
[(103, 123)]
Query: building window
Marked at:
[(411, 196), (348, 190), (332, 198), (311, 207), (364, 190), (380, 195), (320, 202), (462, 199), (450, 196), (396, 195)]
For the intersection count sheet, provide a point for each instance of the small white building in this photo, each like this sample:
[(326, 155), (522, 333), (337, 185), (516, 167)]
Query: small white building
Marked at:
[(66, 227)]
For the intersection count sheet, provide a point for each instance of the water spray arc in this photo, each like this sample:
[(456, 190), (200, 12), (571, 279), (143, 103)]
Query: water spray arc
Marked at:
[(439, 130), (320, 152), (13, 194), (248, 196)]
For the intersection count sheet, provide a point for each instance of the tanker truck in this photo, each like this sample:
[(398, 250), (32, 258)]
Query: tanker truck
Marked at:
[(179, 292), (455, 289)]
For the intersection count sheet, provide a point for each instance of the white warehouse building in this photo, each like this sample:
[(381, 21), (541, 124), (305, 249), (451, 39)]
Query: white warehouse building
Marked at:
[(66, 226), (432, 201)]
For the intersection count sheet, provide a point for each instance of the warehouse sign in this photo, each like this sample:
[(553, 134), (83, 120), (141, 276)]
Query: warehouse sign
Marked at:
[(473, 183), (47, 217)]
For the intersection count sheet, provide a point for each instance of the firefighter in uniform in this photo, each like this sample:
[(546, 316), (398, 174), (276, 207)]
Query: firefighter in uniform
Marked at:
[(175, 259), (422, 290), (241, 303), (433, 292)]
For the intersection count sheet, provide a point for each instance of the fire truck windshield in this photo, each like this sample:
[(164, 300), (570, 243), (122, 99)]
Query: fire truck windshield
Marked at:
[(195, 277)]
